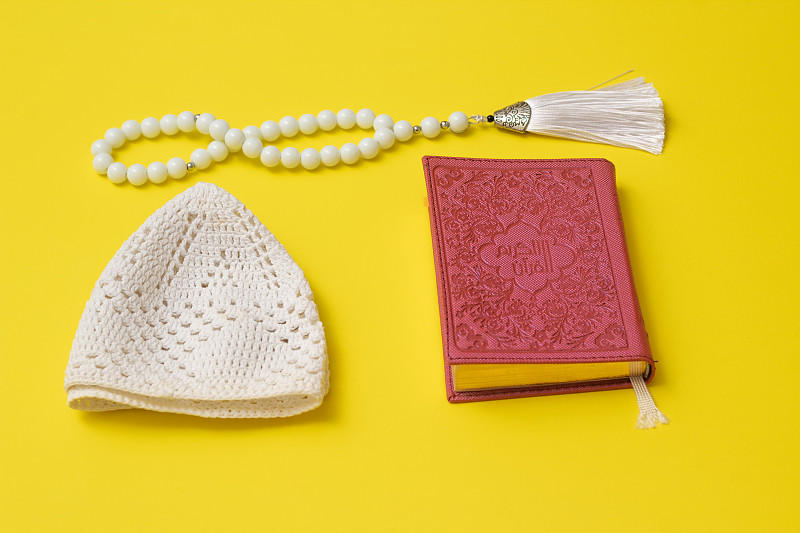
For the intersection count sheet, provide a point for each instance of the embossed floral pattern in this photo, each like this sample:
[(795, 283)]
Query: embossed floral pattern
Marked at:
[(527, 261)]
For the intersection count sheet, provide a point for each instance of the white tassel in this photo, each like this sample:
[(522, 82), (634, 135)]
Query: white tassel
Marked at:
[(628, 114), (649, 415)]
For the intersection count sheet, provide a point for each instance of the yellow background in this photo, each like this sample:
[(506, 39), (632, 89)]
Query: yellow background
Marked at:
[(711, 224)]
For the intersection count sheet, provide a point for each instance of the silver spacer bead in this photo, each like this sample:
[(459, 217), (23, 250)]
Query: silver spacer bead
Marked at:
[(196, 117), (190, 166), (444, 124), (416, 129)]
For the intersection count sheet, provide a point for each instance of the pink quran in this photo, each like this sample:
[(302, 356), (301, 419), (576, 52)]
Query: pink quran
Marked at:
[(535, 289)]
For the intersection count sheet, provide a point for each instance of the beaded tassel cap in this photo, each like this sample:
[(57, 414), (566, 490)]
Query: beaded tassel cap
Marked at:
[(201, 311)]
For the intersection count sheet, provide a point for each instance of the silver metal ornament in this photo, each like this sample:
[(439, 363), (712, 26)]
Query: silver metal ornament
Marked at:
[(514, 117)]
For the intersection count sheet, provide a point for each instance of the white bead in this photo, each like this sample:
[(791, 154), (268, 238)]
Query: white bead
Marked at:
[(289, 126), (101, 162), (137, 174), (176, 167), (309, 159), (326, 120), (459, 122), (368, 147), (101, 146), (151, 127), (270, 130), (234, 138), (218, 150), (431, 127), (330, 156), (201, 158), (307, 123), (290, 157), (218, 129), (252, 131), (157, 172), (346, 119), (403, 130), (350, 153), (117, 173), (251, 147), (203, 122), (115, 137), (385, 138), (186, 121), (131, 129), (270, 156), (365, 117), (169, 124), (382, 121)]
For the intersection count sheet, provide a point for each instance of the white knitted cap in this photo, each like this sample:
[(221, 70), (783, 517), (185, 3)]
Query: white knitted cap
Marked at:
[(201, 311)]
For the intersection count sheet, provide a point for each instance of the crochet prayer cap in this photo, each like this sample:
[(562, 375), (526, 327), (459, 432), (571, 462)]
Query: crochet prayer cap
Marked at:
[(201, 311)]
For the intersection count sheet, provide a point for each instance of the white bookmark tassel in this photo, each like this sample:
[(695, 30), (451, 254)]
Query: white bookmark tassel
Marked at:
[(628, 114), (649, 415)]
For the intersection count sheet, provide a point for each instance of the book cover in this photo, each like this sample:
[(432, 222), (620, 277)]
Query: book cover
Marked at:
[(532, 269)]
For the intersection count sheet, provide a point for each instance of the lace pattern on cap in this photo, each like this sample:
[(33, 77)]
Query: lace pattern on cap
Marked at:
[(201, 311)]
